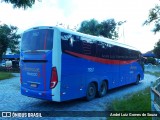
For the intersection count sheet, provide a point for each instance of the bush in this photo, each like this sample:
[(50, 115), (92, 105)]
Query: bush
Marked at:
[(4, 69), (151, 60)]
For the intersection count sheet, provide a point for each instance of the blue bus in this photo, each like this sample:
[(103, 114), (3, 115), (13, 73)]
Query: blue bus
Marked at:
[(59, 64)]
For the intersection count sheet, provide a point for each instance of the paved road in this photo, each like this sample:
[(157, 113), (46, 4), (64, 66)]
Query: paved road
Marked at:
[(12, 100)]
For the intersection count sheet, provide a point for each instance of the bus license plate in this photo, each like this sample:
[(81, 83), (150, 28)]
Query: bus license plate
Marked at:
[(33, 85)]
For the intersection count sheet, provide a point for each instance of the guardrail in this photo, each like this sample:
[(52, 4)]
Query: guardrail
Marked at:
[(155, 97)]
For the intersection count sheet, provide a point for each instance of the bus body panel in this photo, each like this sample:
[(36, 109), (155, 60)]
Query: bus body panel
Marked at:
[(36, 74), (77, 73), (56, 62), (45, 68)]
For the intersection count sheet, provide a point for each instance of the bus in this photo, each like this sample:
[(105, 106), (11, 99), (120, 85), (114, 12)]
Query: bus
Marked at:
[(59, 64)]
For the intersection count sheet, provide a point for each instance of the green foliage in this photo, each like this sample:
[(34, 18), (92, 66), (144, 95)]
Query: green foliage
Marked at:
[(156, 49), (154, 17), (5, 75), (133, 102), (8, 38), (139, 101), (157, 74), (20, 3), (106, 28), (90, 27), (151, 60)]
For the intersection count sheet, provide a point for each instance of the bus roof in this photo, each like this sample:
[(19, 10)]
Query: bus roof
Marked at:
[(99, 38)]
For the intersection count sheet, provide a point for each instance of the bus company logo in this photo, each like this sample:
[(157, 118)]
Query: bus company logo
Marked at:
[(33, 74), (133, 68), (29, 69)]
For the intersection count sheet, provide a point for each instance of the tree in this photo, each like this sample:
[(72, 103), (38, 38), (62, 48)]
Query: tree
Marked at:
[(156, 49), (90, 27), (106, 28), (154, 17), (21, 3), (8, 38)]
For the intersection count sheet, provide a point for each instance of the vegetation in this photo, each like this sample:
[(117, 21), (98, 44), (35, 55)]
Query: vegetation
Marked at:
[(150, 60), (21, 3), (139, 101), (5, 75), (156, 49), (8, 38), (157, 74), (154, 17), (106, 28)]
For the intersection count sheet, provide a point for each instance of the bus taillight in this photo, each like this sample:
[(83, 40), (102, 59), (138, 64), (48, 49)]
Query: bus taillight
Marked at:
[(54, 78)]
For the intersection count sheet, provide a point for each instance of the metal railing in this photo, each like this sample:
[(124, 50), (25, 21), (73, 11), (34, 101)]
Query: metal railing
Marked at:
[(155, 97)]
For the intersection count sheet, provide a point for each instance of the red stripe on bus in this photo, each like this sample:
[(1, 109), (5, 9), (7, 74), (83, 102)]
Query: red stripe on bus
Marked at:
[(100, 60)]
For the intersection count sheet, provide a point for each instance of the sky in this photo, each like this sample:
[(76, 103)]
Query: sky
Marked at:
[(73, 12)]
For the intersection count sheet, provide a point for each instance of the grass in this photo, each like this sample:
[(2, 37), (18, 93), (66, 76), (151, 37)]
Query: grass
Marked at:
[(137, 102), (5, 75), (157, 74)]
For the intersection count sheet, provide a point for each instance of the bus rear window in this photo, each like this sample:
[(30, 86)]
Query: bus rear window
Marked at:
[(41, 39)]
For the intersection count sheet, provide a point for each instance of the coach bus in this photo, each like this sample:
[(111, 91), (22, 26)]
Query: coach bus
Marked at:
[(59, 64)]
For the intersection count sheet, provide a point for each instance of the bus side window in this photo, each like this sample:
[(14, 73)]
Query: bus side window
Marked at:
[(76, 43), (123, 53), (99, 49), (102, 50), (65, 41), (88, 46), (114, 52)]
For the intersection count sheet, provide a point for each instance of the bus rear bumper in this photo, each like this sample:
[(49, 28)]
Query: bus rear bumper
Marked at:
[(46, 95)]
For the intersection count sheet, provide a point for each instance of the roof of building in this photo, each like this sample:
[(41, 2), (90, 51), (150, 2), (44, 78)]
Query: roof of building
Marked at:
[(15, 56)]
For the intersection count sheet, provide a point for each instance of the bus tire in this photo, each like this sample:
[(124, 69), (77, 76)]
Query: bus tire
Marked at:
[(137, 80), (103, 89), (91, 92)]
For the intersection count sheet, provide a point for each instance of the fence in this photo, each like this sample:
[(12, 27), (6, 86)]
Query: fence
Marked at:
[(155, 97)]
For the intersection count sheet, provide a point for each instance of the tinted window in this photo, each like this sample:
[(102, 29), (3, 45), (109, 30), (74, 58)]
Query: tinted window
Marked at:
[(103, 49), (114, 52), (37, 40), (88, 46), (78, 44), (71, 43)]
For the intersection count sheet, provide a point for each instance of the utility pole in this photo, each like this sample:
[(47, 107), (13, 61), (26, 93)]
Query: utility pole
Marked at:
[(123, 32)]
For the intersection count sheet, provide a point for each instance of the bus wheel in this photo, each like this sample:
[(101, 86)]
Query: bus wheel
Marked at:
[(103, 89), (91, 92), (137, 80)]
